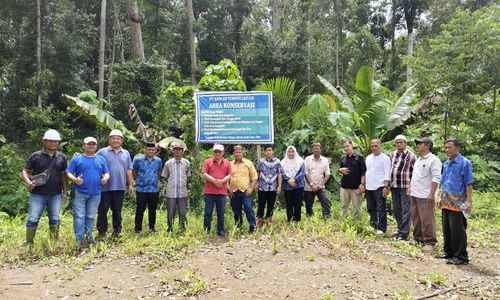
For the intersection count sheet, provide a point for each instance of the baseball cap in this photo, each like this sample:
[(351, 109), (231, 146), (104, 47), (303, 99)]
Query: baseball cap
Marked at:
[(424, 140), (89, 139), (400, 137), (177, 145), (218, 147)]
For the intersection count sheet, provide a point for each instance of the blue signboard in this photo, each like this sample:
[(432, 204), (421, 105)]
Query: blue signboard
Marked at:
[(234, 117)]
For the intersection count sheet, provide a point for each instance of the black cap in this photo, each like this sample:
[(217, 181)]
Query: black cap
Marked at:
[(150, 145), (424, 140)]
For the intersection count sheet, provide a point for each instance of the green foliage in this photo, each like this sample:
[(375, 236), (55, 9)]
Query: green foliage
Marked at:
[(224, 76), (286, 101), (374, 109), (13, 193)]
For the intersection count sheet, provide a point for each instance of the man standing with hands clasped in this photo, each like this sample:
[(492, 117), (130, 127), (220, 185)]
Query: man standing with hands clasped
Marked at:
[(121, 180), (46, 185), (88, 171), (317, 175), (353, 169), (455, 202), (378, 174)]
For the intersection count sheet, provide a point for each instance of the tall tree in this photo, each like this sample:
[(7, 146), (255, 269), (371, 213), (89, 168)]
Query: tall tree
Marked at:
[(192, 41), (102, 44), (39, 51), (136, 18)]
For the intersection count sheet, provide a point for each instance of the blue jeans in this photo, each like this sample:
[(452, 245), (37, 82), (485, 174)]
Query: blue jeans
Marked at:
[(38, 203), (212, 200), (239, 201), (375, 204), (84, 210)]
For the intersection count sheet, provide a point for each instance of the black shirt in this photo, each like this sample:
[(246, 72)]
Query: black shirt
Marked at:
[(40, 161), (357, 168)]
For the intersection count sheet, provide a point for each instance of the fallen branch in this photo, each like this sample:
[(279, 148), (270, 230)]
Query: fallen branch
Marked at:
[(22, 283), (435, 293)]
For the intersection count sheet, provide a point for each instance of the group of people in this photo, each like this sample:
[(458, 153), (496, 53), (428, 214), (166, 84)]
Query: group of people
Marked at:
[(101, 179)]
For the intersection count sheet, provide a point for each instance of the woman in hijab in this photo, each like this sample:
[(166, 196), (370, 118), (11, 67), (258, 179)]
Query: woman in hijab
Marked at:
[(293, 182)]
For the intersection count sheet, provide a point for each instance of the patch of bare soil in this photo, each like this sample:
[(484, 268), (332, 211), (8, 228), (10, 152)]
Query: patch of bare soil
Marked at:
[(252, 268)]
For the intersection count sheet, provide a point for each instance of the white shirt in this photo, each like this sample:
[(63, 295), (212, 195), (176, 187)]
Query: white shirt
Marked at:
[(426, 170), (378, 169), (317, 169)]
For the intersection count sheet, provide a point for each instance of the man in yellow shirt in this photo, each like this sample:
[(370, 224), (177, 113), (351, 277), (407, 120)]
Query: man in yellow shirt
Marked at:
[(242, 183)]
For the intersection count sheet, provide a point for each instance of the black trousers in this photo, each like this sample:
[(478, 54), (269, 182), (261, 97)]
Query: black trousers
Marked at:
[(323, 199), (293, 201), (113, 200), (455, 234), (266, 198), (149, 200)]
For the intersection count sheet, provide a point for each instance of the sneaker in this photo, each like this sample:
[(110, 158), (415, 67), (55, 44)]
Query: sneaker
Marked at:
[(116, 234), (221, 233), (380, 232), (457, 261), (395, 235), (101, 237), (152, 230), (137, 232)]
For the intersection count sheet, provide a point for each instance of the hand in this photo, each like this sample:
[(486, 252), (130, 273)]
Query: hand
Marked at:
[(431, 199), (104, 180), (362, 188), (79, 180), (344, 170), (218, 183), (468, 207), (292, 182), (64, 197), (30, 184), (438, 202), (408, 191), (248, 192), (130, 189), (385, 191), (278, 191)]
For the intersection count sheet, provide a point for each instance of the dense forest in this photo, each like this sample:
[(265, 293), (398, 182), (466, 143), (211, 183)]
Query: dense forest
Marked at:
[(337, 69)]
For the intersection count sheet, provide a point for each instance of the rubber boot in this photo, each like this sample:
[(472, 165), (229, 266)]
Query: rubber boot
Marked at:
[(54, 232), (30, 237), (260, 222), (269, 220)]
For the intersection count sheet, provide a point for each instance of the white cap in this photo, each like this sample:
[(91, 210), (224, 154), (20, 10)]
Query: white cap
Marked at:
[(218, 147), (52, 134), (89, 139), (400, 137), (116, 132)]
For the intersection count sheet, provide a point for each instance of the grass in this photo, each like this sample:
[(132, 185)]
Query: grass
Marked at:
[(342, 237)]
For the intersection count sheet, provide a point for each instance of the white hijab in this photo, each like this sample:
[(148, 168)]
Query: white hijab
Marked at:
[(291, 165)]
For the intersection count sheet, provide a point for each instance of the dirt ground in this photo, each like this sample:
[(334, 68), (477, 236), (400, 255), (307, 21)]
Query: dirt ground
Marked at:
[(252, 268)]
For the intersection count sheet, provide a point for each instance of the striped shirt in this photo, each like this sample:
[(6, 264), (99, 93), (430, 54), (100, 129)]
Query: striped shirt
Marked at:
[(176, 172), (402, 168)]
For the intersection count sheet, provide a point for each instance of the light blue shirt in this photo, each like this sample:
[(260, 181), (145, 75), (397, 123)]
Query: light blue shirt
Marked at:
[(118, 163), (457, 175)]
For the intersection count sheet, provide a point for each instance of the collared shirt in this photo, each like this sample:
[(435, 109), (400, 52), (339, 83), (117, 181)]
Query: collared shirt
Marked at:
[(40, 161), (218, 170), (317, 169), (378, 169), (118, 163), (357, 167), (176, 172), (426, 170), (91, 169), (146, 180), (243, 173), (402, 168), (457, 175), (268, 174)]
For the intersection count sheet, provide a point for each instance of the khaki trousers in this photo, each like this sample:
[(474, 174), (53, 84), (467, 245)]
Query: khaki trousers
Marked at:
[(423, 217), (346, 195)]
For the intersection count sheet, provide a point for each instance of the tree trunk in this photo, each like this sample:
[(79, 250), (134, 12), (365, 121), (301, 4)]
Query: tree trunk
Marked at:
[(136, 18), (394, 22), (192, 41), (39, 52), (410, 10), (275, 16), (102, 44)]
